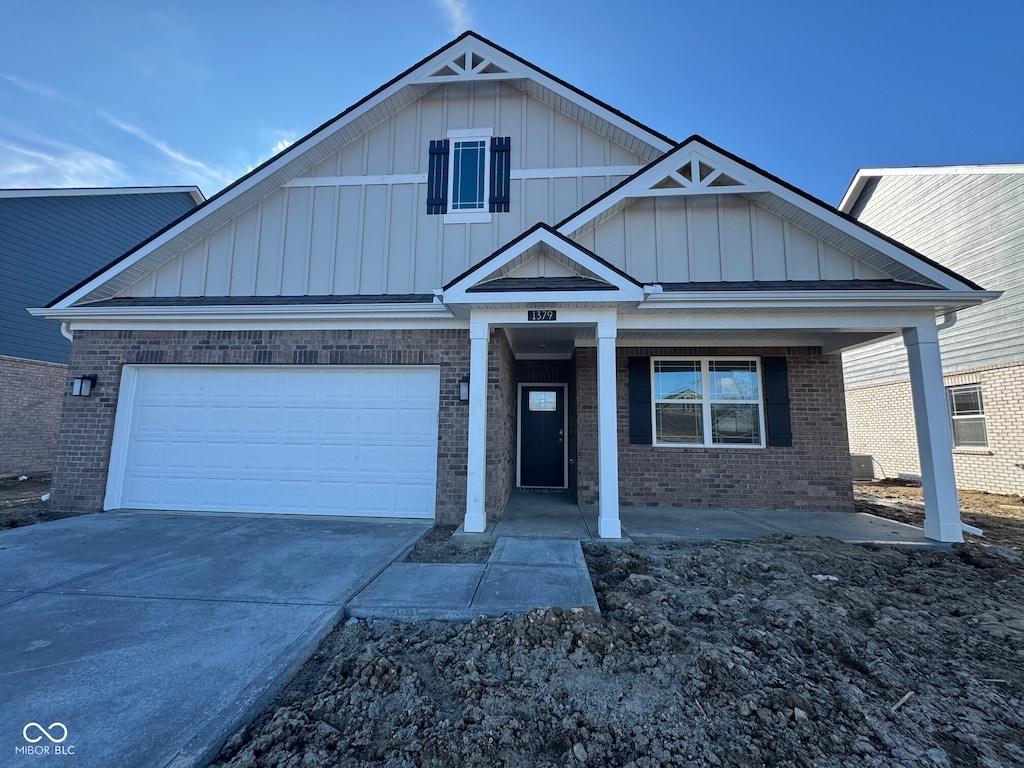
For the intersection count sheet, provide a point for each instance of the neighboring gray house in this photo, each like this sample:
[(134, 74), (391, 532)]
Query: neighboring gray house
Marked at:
[(479, 279), (51, 239), (970, 219)]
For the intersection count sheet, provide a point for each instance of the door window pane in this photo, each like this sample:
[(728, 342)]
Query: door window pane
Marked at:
[(542, 401)]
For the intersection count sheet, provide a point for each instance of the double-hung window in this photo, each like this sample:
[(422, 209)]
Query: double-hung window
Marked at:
[(707, 402), (967, 416)]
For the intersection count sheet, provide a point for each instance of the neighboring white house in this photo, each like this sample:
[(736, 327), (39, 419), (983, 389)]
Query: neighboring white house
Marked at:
[(970, 219), (478, 279)]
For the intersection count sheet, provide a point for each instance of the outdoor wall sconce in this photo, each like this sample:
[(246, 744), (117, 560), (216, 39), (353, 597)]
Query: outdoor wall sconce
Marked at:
[(82, 386), (464, 388)]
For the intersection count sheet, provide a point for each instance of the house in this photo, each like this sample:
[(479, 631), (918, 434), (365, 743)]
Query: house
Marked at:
[(51, 239), (970, 219), (480, 278)]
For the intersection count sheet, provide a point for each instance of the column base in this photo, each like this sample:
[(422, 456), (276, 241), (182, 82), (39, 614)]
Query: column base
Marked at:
[(947, 532), (609, 528)]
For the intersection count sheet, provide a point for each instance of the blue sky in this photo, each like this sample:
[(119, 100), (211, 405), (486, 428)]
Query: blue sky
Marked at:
[(122, 92)]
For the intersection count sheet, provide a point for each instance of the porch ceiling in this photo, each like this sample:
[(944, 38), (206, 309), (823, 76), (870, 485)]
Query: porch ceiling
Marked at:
[(547, 341)]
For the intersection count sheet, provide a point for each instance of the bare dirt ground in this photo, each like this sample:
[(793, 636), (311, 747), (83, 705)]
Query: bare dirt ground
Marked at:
[(1000, 517), (783, 651), (20, 501)]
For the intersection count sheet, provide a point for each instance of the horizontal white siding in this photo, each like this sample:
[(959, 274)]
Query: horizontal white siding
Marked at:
[(376, 238), (973, 225), (713, 238)]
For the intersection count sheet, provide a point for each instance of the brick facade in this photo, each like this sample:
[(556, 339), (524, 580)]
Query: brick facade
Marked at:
[(29, 415), (88, 425), (813, 474), (501, 425), (892, 443)]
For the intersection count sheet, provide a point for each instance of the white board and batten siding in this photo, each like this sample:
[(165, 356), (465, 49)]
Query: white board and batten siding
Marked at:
[(357, 222), (312, 440), (711, 238), (970, 223)]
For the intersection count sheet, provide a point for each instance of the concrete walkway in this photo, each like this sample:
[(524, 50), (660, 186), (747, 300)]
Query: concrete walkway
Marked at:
[(152, 637), (542, 515), (521, 574)]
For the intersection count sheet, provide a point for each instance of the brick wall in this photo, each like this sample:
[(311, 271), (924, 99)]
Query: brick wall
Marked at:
[(87, 427), (29, 415), (813, 474), (501, 424), (892, 439)]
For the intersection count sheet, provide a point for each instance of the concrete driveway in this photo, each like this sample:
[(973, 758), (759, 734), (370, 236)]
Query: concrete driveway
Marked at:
[(148, 637)]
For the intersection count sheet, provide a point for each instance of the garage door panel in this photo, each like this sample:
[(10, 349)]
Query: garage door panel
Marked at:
[(351, 441)]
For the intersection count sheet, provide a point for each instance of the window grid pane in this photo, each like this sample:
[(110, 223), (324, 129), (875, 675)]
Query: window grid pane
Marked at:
[(468, 176), (542, 401)]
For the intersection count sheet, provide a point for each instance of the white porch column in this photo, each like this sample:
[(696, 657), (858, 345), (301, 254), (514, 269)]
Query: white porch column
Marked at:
[(941, 505), (476, 460), (608, 525)]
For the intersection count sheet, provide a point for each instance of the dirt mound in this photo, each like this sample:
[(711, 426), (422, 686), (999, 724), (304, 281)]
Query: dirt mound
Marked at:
[(781, 651)]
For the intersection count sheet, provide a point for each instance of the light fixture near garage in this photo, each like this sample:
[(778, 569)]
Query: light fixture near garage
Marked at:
[(82, 385), (464, 388)]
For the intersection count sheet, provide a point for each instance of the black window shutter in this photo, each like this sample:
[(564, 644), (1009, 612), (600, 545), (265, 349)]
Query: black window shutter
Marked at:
[(639, 371), (437, 177), (501, 157), (776, 401)]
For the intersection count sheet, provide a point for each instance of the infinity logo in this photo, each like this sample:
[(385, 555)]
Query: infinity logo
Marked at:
[(44, 732)]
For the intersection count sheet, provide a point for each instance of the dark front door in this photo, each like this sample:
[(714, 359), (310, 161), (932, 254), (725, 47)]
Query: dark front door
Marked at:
[(542, 437)]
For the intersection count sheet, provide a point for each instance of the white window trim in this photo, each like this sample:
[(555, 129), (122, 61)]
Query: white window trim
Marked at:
[(953, 418), (481, 215), (706, 402)]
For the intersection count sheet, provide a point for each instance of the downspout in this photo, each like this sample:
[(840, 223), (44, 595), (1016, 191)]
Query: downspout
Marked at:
[(65, 331)]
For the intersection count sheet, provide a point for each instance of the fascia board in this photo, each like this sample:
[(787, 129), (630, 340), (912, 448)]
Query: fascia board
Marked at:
[(547, 298), (321, 312), (915, 300), (854, 190), (196, 193)]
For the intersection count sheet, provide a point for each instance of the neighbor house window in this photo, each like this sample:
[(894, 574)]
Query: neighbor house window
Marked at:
[(967, 414), (707, 401)]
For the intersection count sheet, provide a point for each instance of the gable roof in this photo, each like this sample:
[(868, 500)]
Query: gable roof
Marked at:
[(593, 278), (865, 175), (466, 58), (697, 166), (52, 238)]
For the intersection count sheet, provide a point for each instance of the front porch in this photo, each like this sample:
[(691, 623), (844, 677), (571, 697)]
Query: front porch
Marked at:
[(556, 516)]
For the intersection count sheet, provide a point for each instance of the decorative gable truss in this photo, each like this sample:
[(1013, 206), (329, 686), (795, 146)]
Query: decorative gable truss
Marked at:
[(472, 63)]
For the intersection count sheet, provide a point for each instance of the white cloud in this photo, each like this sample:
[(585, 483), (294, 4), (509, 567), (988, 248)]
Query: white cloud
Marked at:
[(37, 88), (66, 166), (204, 175), (281, 146), (458, 15)]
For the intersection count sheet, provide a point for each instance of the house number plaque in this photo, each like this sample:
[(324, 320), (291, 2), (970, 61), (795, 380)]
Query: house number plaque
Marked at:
[(540, 315)]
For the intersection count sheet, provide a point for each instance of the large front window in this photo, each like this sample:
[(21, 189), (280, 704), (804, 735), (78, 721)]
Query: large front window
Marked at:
[(707, 401), (469, 175)]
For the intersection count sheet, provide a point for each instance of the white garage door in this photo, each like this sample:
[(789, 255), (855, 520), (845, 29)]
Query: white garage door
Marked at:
[(330, 441)]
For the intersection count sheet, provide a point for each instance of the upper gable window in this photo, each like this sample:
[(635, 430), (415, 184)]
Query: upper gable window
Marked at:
[(468, 176), (467, 187)]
